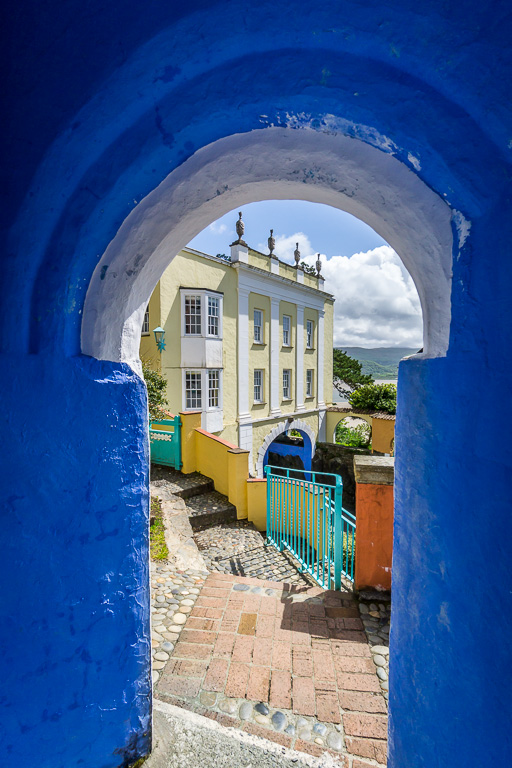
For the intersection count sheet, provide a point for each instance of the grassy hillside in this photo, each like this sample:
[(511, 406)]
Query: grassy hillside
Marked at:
[(380, 362)]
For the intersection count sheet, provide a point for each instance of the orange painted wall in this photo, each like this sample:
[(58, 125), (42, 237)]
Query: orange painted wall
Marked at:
[(374, 537)]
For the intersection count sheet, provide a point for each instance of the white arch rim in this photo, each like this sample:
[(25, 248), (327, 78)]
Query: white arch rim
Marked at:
[(297, 424), (271, 163)]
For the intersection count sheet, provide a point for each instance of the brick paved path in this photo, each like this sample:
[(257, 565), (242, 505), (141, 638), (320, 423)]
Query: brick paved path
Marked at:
[(288, 662)]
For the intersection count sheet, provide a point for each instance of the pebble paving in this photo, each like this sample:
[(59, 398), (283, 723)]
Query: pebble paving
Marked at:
[(375, 615), (173, 594)]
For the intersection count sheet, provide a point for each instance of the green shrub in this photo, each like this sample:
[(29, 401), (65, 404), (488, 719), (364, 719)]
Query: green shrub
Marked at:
[(157, 543), (374, 397), (156, 385), (356, 437)]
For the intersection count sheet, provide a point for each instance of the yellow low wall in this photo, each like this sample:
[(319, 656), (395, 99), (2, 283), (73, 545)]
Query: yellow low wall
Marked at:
[(257, 502), (212, 459), (383, 434), (190, 421)]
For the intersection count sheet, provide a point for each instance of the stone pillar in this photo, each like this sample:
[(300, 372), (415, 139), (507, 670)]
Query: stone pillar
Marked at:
[(190, 421), (374, 514), (275, 408)]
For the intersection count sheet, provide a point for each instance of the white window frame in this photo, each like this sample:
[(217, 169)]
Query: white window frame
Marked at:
[(287, 332), (145, 323), (188, 405), (310, 377), (211, 372), (204, 306), (205, 389), (258, 334), (213, 318), (197, 304), (310, 334), (258, 374), (287, 383)]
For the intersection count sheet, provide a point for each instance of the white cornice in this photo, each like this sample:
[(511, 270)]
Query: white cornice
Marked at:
[(278, 287)]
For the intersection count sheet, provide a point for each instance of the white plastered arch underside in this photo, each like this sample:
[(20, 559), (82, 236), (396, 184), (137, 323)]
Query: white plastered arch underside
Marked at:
[(297, 424), (271, 163)]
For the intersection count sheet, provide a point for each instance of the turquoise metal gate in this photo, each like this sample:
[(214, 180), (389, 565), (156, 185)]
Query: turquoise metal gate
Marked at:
[(306, 518), (165, 442)]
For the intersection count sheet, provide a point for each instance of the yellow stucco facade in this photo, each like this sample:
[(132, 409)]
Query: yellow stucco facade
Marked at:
[(216, 362)]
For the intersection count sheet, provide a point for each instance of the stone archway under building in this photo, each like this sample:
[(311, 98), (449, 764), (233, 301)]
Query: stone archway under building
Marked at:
[(279, 429)]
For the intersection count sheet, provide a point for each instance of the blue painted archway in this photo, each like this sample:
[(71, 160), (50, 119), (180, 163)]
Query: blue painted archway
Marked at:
[(303, 452), (103, 108)]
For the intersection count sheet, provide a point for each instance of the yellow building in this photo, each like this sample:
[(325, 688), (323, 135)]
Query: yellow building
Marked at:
[(248, 342)]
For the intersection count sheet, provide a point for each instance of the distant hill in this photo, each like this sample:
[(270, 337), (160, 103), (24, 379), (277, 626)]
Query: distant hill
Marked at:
[(380, 362)]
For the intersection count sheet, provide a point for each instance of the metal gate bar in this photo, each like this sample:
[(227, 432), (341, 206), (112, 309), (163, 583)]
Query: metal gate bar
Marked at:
[(305, 516)]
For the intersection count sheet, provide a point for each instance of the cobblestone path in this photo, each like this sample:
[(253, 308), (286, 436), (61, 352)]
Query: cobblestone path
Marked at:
[(239, 548), (285, 661)]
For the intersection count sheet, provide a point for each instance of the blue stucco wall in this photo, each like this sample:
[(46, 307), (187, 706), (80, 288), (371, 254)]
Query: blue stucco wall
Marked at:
[(284, 449), (103, 101)]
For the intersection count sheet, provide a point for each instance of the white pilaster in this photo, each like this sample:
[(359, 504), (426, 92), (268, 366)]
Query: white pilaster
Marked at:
[(275, 409), (239, 253), (320, 377), (243, 356), (300, 275), (299, 363), (322, 424), (245, 441), (274, 265)]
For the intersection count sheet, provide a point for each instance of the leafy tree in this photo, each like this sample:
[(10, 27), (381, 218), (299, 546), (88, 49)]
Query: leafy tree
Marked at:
[(307, 268), (347, 373), (375, 397), (156, 385)]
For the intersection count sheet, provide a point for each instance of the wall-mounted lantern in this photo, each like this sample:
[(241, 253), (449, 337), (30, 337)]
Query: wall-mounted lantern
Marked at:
[(159, 338)]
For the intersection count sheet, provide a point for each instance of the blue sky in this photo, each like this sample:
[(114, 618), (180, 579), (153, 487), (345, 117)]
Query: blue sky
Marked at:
[(376, 301), (332, 232)]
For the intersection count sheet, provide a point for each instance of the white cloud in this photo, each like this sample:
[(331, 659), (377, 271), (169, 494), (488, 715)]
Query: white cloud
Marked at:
[(218, 228), (377, 304)]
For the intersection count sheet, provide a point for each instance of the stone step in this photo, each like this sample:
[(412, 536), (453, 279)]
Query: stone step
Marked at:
[(207, 509), (184, 486)]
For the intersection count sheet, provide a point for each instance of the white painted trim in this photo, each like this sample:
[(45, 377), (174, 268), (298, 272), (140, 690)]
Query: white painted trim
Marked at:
[(243, 355), (321, 347), (283, 426), (282, 288), (271, 163)]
